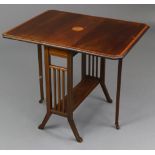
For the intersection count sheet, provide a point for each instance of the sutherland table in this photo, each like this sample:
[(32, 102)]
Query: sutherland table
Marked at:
[(64, 34)]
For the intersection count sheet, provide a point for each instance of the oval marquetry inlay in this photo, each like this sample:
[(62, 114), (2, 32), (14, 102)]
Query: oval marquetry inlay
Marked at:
[(77, 28)]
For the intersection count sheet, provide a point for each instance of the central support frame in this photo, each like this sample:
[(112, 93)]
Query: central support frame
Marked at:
[(61, 98)]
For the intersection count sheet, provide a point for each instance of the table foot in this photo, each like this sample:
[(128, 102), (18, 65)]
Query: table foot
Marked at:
[(80, 140), (110, 101), (74, 129), (42, 125), (41, 100), (117, 126)]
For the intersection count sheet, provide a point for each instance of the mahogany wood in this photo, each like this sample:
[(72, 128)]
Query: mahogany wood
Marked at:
[(96, 66), (40, 74), (89, 59), (48, 90), (104, 37), (74, 129), (55, 90), (59, 91), (48, 79), (63, 105), (118, 93), (83, 89), (63, 91), (102, 80), (64, 34), (83, 65)]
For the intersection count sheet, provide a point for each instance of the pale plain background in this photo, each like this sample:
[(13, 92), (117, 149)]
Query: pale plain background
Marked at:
[(20, 112)]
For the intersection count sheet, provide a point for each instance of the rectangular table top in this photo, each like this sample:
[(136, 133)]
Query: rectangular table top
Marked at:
[(99, 36)]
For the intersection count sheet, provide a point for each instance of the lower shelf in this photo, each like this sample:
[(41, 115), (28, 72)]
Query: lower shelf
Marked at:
[(80, 92), (83, 89)]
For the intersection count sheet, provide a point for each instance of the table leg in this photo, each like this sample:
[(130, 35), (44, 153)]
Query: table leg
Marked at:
[(42, 125), (40, 74), (48, 89), (102, 80), (74, 129), (118, 94), (69, 97)]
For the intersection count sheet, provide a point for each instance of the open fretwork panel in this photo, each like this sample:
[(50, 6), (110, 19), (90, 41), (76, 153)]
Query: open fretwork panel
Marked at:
[(61, 98), (58, 88), (93, 66), (59, 81)]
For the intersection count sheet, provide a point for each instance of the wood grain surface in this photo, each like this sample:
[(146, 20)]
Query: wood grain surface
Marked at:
[(99, 36)]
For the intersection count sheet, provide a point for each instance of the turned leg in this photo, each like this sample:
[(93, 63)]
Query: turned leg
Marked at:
[(48, 89), (40, 74), (102, 81), (118, 93)]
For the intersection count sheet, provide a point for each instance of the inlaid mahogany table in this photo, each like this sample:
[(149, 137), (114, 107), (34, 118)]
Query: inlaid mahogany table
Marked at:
[(64, 34)]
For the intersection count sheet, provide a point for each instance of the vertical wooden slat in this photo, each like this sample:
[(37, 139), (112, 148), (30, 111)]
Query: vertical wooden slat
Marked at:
[(59, 90), (93, 65), (102, 70), (96, 66), (55, 91), (88, 64), (63, 91), (83, 65)]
